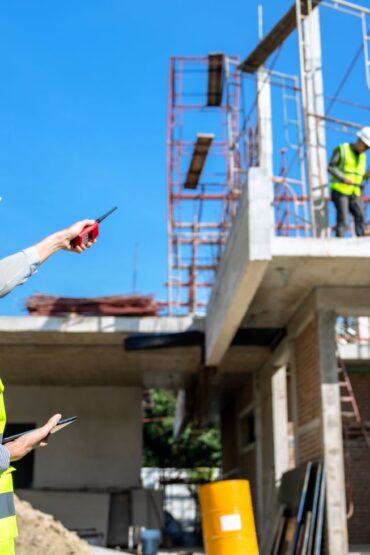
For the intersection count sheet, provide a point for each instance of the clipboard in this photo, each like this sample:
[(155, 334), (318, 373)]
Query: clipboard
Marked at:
[(61, 424)]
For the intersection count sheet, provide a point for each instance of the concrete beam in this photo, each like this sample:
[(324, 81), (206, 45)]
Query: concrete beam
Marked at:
[(246, 257), (342, 301)]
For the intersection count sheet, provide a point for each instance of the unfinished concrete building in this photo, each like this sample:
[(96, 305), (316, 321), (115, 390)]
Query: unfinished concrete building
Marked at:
[(258, 288), (283, 284)]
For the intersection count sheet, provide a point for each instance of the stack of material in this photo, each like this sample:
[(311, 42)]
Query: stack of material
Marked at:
[(40, 534), (118, 305), (299, 522)]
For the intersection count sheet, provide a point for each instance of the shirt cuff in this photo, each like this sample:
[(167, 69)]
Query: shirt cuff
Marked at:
[(33, 258), (4, 458)]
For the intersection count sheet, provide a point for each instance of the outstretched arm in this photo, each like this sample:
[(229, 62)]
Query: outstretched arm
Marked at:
[(17, 268)]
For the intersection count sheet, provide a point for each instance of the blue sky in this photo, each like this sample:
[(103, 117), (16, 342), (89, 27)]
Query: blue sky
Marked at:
[(83, 99)]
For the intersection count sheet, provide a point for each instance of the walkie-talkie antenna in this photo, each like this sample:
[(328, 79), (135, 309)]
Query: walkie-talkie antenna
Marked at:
[(106, 215)]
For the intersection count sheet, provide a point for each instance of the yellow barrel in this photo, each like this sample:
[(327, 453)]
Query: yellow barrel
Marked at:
[(227, 518)]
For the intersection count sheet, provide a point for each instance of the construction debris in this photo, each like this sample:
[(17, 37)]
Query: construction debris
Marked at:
[(40, 534), (118, 305)]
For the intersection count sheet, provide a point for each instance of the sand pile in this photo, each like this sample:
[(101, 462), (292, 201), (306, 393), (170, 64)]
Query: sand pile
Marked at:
[(40, 534)]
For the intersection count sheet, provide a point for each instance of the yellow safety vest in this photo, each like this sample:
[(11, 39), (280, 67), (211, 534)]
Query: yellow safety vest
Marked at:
[(8, 525), (354, 167)]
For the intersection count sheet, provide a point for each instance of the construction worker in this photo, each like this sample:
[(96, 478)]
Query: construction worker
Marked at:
[(347, 168), (15, 270)]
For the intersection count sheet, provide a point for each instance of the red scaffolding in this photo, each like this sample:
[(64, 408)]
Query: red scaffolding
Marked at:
[(203, 173)]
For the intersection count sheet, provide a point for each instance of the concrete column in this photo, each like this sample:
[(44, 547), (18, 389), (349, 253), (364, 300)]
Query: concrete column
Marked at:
[(332, 437), (315, 128), (319, 424), (280, 422), (265, 140), (265, 144)]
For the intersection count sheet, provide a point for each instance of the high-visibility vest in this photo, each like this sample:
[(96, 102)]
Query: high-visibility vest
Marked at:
[(354, 167), (8, 525)]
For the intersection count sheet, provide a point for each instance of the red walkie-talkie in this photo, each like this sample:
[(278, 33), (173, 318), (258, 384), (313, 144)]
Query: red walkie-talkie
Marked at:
[(90, 232)]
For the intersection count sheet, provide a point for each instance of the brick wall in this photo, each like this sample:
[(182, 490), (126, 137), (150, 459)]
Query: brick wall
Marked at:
[(358, 479), (358, 466), (306, 349)]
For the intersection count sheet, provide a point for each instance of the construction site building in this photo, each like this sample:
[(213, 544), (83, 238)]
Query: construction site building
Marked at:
[(261, 302)]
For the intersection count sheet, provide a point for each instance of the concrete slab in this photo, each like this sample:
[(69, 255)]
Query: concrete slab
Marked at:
[(300, 265), (78, 350)]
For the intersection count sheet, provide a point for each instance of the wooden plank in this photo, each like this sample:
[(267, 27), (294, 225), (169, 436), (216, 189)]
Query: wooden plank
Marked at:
[(215, 79), (198, 159), (274, 38)]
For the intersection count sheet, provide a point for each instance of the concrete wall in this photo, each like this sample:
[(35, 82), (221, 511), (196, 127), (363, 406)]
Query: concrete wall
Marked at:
[(101, 450)]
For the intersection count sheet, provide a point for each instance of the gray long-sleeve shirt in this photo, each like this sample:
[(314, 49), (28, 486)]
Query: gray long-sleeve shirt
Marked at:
[(15, 270)]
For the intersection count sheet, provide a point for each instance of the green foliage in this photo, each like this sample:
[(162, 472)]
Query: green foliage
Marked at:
[(195, 448)]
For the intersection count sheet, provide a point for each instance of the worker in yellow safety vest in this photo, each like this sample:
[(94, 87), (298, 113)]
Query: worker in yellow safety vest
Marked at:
[(15, 270), (347, 168)]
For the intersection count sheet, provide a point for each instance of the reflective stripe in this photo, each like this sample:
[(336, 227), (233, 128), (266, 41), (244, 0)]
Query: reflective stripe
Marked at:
[(7, 507), (1, 438)]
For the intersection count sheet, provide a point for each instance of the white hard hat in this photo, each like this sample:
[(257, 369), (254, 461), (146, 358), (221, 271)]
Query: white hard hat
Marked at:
[(364, 135)]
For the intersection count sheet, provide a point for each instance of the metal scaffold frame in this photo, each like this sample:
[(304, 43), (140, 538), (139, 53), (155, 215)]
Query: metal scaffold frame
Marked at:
[(203, 170)]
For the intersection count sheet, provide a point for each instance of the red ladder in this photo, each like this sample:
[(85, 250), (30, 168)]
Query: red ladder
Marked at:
[(352, 423)]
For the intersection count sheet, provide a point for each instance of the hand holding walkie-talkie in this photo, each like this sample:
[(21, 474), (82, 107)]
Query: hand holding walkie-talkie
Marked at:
[(90, 232)]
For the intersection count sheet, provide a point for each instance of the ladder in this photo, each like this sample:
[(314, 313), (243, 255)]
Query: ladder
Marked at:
[(352, 423), (351, 416)]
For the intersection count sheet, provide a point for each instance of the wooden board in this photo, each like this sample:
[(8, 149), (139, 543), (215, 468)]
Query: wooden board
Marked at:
[(200, 152), (274, 39)]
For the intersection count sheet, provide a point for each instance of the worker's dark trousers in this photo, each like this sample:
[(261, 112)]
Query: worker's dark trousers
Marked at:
[(353, 204)]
